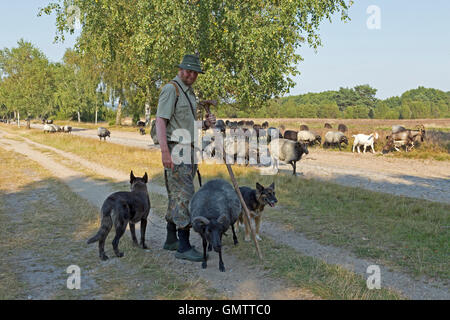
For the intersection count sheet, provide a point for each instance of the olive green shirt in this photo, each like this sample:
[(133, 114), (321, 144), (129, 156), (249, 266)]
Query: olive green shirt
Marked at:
[(179, 117)]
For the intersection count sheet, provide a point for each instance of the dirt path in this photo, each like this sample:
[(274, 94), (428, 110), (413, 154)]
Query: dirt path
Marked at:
[(256, 285), (239, 282), (424, 179)]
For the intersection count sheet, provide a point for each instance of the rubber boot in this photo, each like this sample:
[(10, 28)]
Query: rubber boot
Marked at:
[(185, 250), (172, 242)]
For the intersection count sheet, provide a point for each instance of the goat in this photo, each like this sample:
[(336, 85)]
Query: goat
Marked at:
[(364, 140), (214, 208), (287, 151), (404, 137)]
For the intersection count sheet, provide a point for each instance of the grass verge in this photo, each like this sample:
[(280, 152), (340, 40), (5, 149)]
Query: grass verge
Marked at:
[(43, 229), (314, 275), (405, 233)]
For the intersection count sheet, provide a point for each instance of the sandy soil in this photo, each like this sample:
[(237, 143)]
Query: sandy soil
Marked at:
[(255, 285)]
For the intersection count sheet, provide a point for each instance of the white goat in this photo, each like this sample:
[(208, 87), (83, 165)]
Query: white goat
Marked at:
[(364, 140)]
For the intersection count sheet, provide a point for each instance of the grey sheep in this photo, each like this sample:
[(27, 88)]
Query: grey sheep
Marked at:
[(304, 127), (335, 138), (287, 151), (308, 137), (273, 133), (67, 129), (103, 133), (49, 128), (214, 208), (342, 128), (220, 125)]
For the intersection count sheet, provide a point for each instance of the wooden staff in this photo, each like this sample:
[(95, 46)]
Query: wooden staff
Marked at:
[(205, 104)]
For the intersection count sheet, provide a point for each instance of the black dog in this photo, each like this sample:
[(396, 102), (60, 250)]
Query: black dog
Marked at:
[(122, 208), (255, 201)]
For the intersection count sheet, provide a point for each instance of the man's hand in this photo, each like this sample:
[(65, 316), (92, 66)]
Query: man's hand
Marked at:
[(167, 159), (210, 120)]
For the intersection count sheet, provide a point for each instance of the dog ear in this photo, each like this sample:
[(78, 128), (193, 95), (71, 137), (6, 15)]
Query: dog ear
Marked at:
[(272, 186), (132, 177), (145, 177), (259, 187)]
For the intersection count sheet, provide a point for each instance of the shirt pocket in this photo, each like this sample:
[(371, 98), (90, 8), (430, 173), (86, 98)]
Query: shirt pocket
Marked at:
[(183, 111)]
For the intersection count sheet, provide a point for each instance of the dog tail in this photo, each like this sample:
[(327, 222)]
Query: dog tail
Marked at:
[(106, 224)]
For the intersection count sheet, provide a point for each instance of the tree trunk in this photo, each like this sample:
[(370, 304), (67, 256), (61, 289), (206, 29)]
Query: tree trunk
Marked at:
[(119, 112), (18, 119), (148, 112), (79, 116), (96, 112)]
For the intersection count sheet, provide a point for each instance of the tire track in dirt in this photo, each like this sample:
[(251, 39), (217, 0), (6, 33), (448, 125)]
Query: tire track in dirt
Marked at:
[(415, 289), (238, 282)]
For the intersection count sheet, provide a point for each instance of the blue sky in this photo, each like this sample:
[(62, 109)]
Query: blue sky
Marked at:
[(411, 49)]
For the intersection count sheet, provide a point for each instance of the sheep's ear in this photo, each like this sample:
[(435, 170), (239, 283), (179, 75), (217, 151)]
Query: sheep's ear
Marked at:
[(259, 187), (224, 221), (132, 177), (145, 177), (199, 223)]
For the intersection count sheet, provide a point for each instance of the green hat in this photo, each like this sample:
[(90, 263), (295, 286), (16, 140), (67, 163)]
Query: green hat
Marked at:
[(191, 62)]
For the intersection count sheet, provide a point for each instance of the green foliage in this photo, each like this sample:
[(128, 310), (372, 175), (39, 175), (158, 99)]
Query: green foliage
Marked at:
[(26, 82), (247, 47)]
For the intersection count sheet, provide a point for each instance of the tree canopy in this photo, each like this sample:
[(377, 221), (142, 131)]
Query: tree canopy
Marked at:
[(360, 102), (247, 47)]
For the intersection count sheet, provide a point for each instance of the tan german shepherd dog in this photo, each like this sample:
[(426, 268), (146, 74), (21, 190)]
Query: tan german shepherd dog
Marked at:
[(256, 199)]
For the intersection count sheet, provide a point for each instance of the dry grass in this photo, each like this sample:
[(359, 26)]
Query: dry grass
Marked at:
[(43, 227), (404, 233), (299, 271), (110, 155)]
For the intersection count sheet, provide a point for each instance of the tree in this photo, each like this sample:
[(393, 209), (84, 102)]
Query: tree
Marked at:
[(26, 80), (76, 94)]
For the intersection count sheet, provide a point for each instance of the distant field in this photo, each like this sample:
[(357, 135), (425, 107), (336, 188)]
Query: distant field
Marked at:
[(436, 145)]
